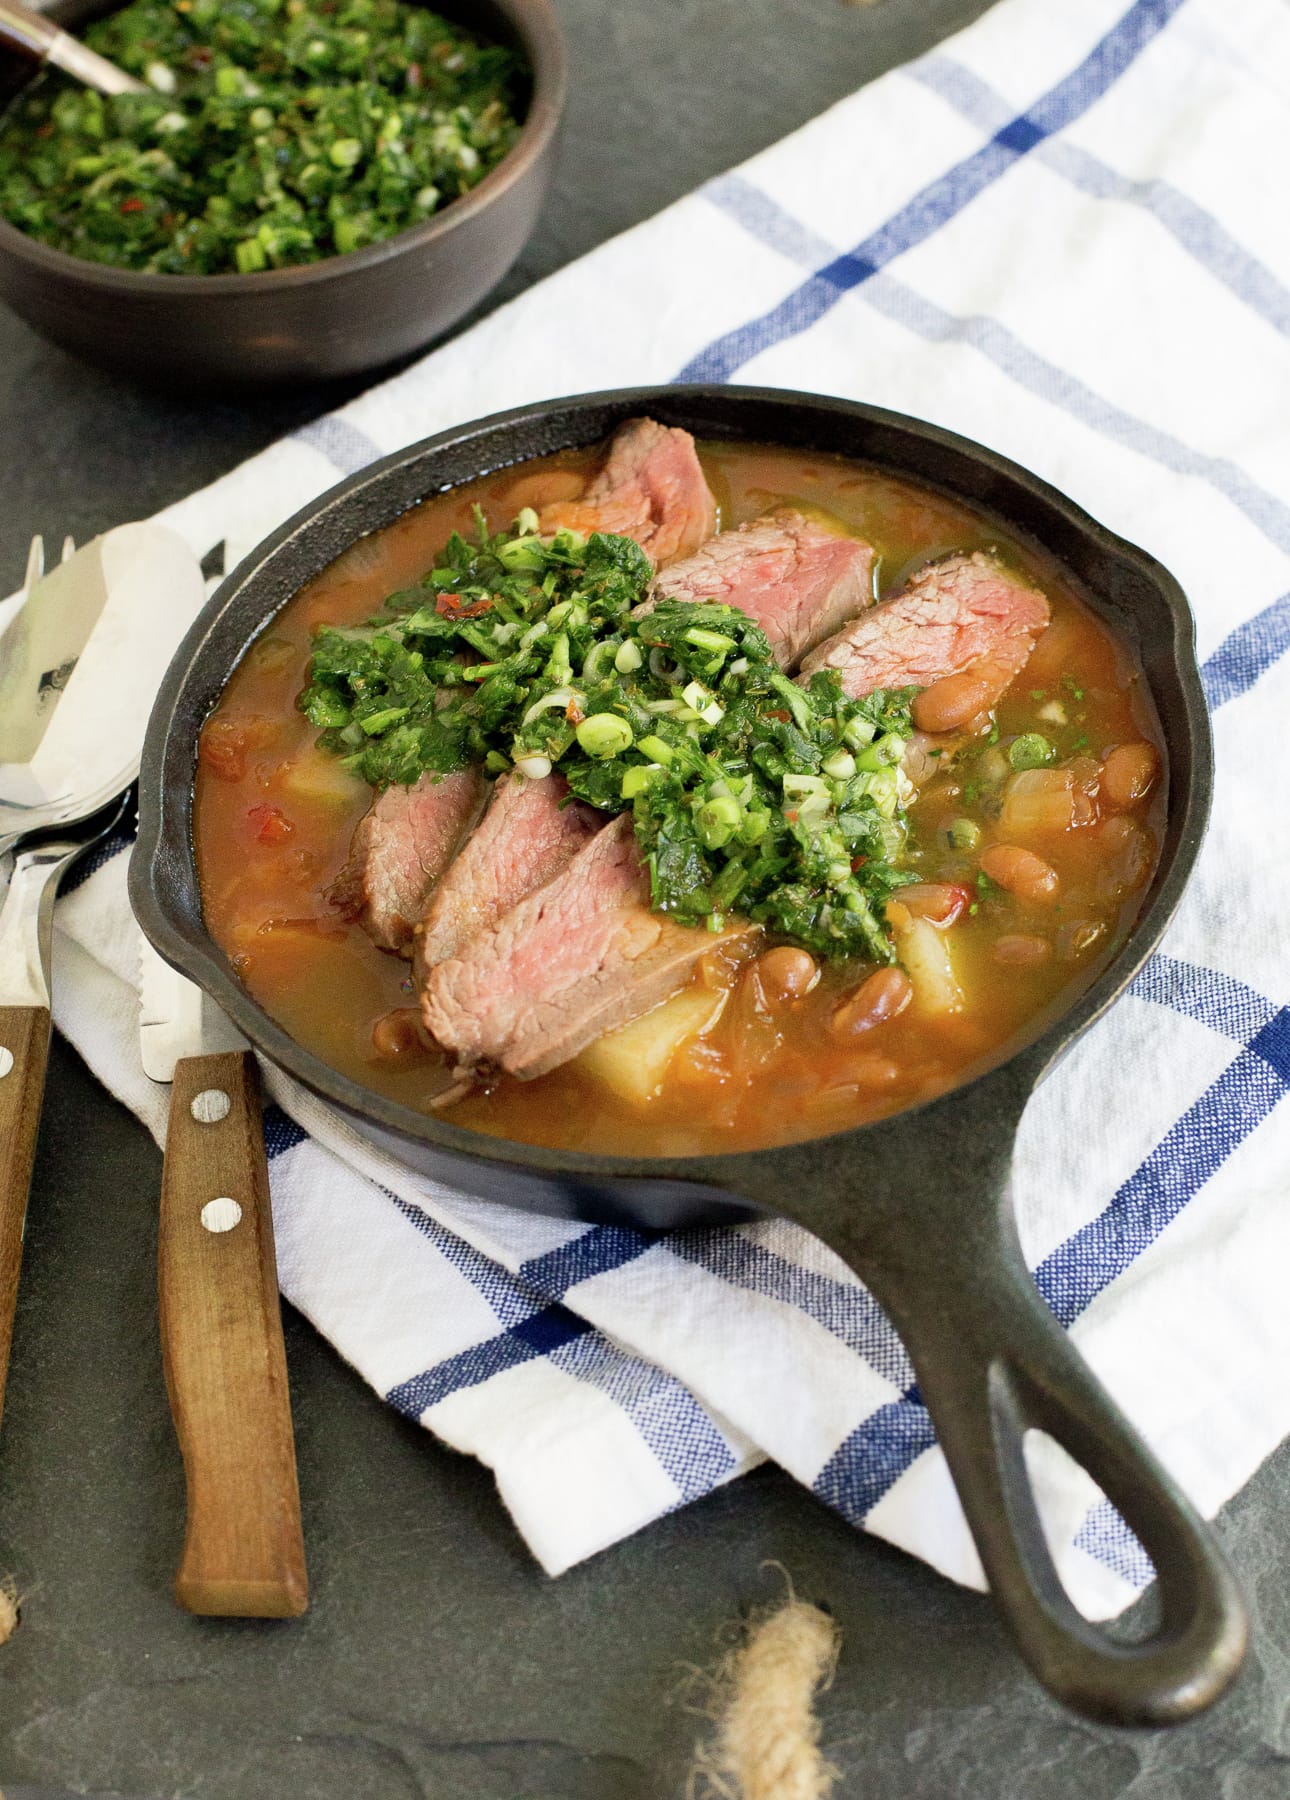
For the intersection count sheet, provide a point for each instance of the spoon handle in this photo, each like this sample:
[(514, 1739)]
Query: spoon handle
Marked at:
[(34, 36)]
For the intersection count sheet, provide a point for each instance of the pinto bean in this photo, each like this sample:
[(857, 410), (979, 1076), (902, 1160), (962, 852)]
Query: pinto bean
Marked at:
[(948, 704), (786, 974), (1077, 937), (1019, 951), (1026, 876), (397, 1034), (880, 997), (1128, 774)]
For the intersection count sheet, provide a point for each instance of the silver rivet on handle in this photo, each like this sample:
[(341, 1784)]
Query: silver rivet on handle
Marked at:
[(221, 1214), (210, 1106)]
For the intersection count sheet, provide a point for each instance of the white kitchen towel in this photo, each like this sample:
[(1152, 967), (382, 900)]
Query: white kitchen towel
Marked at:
[(1064, 234)]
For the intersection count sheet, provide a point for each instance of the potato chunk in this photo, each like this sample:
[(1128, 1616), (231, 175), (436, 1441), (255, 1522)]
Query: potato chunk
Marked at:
[(633, 1059), (925, 952)]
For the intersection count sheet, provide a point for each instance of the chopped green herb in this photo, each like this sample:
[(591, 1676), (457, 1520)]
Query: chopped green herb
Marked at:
[(748, 792), (272, 134)]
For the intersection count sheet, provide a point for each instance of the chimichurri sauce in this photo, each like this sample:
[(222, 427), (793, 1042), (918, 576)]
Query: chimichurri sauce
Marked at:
[(275, 132)]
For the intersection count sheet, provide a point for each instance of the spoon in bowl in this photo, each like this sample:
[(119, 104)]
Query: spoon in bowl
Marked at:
[(42, 41)]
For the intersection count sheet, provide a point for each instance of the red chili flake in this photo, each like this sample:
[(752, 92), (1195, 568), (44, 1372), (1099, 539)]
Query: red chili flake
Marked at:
[(858, 863), (132, 205), (791, 816), (272, 826), (773, 713), (45, 130), (451, 606), (574, 713)]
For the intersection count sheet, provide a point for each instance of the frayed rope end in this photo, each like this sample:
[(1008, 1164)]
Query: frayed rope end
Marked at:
[(10, 1609), (762, 1698)]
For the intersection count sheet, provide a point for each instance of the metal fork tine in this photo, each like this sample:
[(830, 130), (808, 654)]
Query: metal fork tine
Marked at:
[(35, 563), (69, 547)]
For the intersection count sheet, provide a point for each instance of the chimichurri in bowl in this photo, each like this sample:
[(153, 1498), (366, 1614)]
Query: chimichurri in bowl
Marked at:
[(304, 192), (274, 132)]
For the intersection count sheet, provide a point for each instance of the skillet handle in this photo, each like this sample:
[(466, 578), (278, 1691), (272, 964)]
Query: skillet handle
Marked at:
[(992, 1361)]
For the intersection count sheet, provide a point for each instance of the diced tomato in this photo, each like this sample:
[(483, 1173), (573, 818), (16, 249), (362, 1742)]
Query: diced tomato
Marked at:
[(272, 826), (132, 205), (450, 606), (223, 748), (226, 742), (939, 902)]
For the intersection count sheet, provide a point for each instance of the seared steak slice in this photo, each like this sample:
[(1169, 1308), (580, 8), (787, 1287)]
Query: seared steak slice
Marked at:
[(529, 832), (400, 848), (651, 489), (966, 612), (790, 573), (579, 956)]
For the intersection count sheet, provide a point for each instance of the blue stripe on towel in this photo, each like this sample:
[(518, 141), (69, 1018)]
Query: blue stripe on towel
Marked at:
[(1247, 653), (849, 1313), (596, 1251), (670, 1420), (540, 1334), (1195, 231), (98, 857), (346, 447), (280, 1132), (1190, 1152), (863, 1468), (1105, 1536), (765, 220), (875, 1456), (941, 200)]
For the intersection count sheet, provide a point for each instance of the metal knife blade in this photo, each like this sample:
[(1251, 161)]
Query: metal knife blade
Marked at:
[(176, 1019)]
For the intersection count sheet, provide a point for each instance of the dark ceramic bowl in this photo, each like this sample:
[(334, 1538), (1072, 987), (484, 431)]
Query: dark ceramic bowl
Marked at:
[(331, 318), (916, 1204)]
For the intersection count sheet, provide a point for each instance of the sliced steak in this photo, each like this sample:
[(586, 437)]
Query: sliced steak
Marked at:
[(400, 848), (966, 613), (651, 489), (579, 956), (529, 832), (798, 579)]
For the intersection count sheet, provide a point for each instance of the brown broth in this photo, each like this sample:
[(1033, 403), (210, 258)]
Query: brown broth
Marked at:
[(274, 816)]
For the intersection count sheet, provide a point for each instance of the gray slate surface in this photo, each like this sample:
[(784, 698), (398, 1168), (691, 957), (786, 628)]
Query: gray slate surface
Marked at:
[(436, 1662)]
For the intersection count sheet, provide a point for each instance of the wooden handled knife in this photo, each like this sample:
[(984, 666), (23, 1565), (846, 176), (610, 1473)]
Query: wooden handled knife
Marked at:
[(221, 1319)]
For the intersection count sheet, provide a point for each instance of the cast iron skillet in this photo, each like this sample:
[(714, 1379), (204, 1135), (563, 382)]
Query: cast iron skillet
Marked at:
[(916, 1204)]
